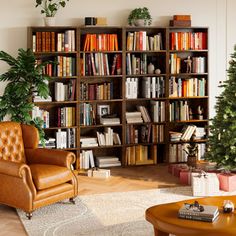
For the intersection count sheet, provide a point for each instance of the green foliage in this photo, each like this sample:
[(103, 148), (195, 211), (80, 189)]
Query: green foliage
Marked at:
[(24, 79), (50, 7), (139, 13), (222, 140)]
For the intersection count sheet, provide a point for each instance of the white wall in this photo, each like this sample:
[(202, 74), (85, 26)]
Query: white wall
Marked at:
[(16, 15)]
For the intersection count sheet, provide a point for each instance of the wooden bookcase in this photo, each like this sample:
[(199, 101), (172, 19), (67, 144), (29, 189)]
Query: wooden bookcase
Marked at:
[(115, 76)]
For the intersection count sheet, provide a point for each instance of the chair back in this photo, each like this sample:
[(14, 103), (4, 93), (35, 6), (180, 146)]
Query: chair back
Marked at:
[(11, 142)]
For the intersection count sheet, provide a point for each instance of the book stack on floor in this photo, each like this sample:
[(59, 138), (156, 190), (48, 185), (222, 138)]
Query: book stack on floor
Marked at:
[(209, 214), (107, 161), (181, 21)]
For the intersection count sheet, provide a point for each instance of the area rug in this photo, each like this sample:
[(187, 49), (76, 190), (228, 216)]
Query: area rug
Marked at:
[(109, 214)]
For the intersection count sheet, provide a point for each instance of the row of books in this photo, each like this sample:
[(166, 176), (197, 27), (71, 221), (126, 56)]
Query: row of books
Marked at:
[(101, 64), (153, 87), (177, 152), (49, 143), (179, 110), (136, 64), (88, 141), (108, 137), (54, 41), (140, 41), (37, 98), (158, 111), (86, 159), (66, 66), (97, 91), (87, 114), (140, 155), (101, 42), (180, 87), (198, 64), (65, 91), (188, 41), (65, 116), (144, 134), (188, 132), (66, 138)]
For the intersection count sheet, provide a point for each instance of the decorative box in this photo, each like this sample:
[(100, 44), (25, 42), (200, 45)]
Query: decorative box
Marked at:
[(227, 181), (99, 173), (175, 169), (205, 184)]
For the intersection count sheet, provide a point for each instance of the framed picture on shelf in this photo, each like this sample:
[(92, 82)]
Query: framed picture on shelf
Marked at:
[(103, 110)]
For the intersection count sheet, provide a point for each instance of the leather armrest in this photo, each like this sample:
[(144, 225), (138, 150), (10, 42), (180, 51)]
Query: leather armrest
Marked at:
[(50, 157), (13, 168)]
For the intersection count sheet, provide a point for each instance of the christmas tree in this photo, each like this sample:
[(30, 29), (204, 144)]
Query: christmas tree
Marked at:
[(222, 139)]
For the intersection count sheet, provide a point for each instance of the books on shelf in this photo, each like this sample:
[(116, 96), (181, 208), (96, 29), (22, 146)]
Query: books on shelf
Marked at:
[(54, 41), (110, 121), (153, 87), (144, 113), (88, 141), (182, 87), (133, 117), (140, 41), (209, 214), (86, 159), (131, 88), (179, 110), (87, 114), (66, 138), (65, 116), (187, 132), (158, 111), (65, 92), (49, 143), (42, 114)]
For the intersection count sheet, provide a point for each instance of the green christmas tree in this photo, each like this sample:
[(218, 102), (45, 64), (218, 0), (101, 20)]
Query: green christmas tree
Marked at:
[(222, 139)]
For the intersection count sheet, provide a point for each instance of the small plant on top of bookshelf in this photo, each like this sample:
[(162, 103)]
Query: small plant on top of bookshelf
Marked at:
[(140, 17)]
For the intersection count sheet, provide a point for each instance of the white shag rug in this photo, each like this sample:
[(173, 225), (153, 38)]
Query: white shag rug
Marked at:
[(109, 214)]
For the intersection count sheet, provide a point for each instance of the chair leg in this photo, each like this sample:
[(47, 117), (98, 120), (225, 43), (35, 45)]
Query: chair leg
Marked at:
[(29, 215), (72, 200)]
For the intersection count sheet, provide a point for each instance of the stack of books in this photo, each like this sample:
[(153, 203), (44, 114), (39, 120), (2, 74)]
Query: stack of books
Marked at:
[(209, 214), (181, 21), (134, 117), (88, 141), (107, 161)]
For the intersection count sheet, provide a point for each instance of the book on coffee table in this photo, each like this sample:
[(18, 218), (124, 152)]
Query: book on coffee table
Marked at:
[(208, 214)]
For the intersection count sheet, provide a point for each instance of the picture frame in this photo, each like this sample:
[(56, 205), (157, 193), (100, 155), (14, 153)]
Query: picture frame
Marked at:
[(103, 110)]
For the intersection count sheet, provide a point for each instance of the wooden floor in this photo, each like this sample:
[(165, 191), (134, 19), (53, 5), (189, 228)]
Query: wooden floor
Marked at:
[(122, 179)]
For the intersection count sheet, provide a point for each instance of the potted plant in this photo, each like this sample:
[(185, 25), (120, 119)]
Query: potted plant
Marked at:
[(140, 17), (192, 150), (24, 79), (50, 8)]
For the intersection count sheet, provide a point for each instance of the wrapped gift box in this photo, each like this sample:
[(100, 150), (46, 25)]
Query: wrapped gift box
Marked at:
[(175, 169), (178, 168), (185, 175), (99, 173), (205, 184), (227, 181)]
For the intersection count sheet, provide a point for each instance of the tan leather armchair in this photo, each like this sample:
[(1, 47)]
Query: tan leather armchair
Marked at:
[(32, 177)]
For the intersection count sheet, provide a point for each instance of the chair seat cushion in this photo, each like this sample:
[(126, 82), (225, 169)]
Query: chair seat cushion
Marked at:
[(46, 176)]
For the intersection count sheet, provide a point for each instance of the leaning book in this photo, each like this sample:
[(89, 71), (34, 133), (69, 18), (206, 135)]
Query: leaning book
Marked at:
[(209, 214)]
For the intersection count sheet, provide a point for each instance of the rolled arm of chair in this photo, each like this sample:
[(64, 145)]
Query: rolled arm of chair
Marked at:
[(50, 157), (13, 168)]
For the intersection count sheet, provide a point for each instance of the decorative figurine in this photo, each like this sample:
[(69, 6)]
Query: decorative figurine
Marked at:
[(151, 68), (200, 112), (228, 206), (189, 64), (157, 71)]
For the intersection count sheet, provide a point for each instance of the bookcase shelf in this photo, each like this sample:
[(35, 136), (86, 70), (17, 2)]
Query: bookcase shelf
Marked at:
[(111, 72)]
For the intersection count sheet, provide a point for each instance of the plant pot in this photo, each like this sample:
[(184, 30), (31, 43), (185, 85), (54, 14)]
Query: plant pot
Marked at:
[(140, 22), (49, 21), (192, 161)]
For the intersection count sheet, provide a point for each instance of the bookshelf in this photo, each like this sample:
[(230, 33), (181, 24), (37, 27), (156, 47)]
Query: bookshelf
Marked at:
[(123, 92)]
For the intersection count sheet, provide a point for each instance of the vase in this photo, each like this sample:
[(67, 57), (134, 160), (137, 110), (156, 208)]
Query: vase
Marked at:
[(151, 68), (49, 21)]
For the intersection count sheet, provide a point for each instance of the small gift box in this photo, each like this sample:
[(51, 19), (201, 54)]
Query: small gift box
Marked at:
[(205, 184), (177, 169), (227, 181), (185, 177)]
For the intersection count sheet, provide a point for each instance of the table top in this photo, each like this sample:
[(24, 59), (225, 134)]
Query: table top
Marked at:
[(165, 218)]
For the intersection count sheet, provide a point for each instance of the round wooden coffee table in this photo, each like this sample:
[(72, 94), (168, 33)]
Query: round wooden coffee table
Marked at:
[(165, 219)]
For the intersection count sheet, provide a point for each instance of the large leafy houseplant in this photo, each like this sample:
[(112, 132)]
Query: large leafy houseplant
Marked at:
[(25, 78), (50, 7)]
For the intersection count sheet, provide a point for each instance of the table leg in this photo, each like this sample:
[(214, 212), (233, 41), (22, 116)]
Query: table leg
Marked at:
[(160, 233)]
